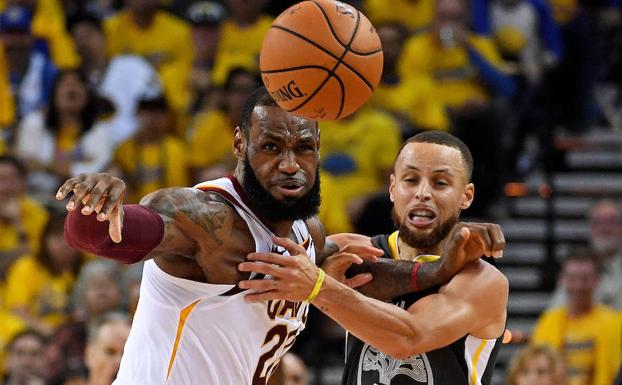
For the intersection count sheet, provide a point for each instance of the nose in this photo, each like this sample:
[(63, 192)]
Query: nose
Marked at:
[(423, 191), (288, 164)]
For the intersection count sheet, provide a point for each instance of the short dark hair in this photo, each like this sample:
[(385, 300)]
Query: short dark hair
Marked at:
[(259, 97), (445, 139), (582, 254), (25, 333), (86, 18), (13, 161)]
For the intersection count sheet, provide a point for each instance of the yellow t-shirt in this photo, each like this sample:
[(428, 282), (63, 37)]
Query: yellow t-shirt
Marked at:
[(34, 217), (151, 166), (413, 14), (211, 140), (333, 210), (239, 47), (31, 285), (166, 44), (449, 69), (7, 105), (416, 99), (591, 344), (357, 151), (48, 23)]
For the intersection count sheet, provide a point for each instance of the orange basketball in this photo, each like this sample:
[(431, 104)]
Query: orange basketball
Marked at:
[(321, 59)]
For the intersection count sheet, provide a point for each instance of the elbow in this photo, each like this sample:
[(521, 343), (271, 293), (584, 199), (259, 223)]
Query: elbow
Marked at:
[(405, 350)]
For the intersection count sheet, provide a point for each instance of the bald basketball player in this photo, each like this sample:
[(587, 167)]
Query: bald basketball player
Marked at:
[(447, 334), (192, 324)]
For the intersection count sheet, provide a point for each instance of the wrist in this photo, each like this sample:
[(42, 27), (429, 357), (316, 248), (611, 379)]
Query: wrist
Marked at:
[(319, 281)]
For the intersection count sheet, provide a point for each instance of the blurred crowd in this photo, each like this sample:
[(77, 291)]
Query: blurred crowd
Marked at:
[(150, 91)]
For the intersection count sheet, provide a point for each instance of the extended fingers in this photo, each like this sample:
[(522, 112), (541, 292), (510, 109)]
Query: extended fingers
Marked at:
[(116, 193), (359, 280), (368, 253), (261, 268), (498, 240), (68, 186), (264, 296), (259, 284), (292, 247), (273, 258)]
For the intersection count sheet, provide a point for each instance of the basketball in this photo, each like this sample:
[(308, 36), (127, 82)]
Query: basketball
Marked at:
[(321, 59)]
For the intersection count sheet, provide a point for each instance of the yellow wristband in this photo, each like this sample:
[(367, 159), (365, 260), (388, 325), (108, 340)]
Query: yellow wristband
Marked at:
[(318, 285)]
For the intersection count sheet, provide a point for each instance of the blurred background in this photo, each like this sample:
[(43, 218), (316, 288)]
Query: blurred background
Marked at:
[(150, 90)]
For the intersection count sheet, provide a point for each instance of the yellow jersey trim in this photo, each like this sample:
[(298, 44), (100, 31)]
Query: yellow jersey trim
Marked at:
[(183, 316), (478, 352), (393, 245)]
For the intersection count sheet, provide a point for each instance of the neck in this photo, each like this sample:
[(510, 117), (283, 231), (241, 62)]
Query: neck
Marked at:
[(409, 253), (143, 19), (69, 118), (577, 309), (279, 228)]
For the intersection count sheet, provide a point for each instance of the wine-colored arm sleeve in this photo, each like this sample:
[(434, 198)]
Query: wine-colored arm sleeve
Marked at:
[(142, 231)]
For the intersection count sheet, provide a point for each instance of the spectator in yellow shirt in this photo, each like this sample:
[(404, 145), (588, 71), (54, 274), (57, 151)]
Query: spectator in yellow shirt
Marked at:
[(588, 335), (161, 38), (7, 106), (206, 18), (358, 152), (411, 100), (22, 219), (213, 127), (154, 158), (241, 38), (38, 287), (466, 72), (416, 15)]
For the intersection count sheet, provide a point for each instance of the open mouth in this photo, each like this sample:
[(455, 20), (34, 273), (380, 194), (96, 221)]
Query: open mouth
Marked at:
[(421, 217), (290, 187)]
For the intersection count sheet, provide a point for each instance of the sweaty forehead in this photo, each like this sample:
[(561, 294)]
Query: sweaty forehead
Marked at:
[(430, 156), (274, 121)]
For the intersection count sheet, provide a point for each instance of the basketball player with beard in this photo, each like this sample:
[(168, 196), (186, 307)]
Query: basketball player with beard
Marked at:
[(447, 334), (192, 324)]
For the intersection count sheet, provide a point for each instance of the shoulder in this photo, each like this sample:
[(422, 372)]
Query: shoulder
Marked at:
[(171, 21), (115, 21), (316, 230), (187, 200), (26, 265), (476, 278)]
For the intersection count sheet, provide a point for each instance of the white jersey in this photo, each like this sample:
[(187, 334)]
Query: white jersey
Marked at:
[(187, 332)]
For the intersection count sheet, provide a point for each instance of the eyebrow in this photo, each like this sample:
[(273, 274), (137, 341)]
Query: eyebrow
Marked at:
[(437, 171)]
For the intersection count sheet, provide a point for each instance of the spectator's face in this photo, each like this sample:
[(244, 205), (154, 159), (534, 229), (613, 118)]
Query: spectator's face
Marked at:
[(154, 123), (90, 41), (536, 371), (143, 6), (25, 357), (294, 370), (11, 182), (205, 40), (391, 44), (101, 295), (580, 279), (606, 227), (451, 14), (71, 94), (242, 85), (428, 189), (61, 254), (103, 355), (246, 10)]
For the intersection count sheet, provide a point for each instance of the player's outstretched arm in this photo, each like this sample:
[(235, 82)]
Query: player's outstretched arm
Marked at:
[(393, 278), (164, 223), (462, 306)]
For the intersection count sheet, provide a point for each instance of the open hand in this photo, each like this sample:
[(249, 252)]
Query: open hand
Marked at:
[(337, 264), (469, 241), (99, 192)]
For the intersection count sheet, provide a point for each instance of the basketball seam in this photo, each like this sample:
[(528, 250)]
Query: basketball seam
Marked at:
[(332, 73), (358, 74), (330, 25), (294, 69)]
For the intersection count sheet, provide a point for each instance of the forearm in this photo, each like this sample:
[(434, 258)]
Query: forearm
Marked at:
[(395, 278), (382, 325), (143, 229)]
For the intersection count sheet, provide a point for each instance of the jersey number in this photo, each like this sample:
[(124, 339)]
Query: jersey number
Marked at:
[(270, 359)]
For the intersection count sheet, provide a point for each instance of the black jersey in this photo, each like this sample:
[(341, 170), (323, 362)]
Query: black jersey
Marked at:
[(468, 361)]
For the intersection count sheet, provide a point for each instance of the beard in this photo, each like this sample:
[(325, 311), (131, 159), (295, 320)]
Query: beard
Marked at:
[(272, 209), (424, 241)]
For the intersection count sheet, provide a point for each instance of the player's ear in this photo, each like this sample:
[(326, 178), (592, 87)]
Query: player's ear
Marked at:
[(391, 186), (239, 143), (467, 196)]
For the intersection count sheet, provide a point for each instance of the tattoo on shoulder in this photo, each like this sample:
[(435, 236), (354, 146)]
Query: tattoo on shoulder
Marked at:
[(198, 214)]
